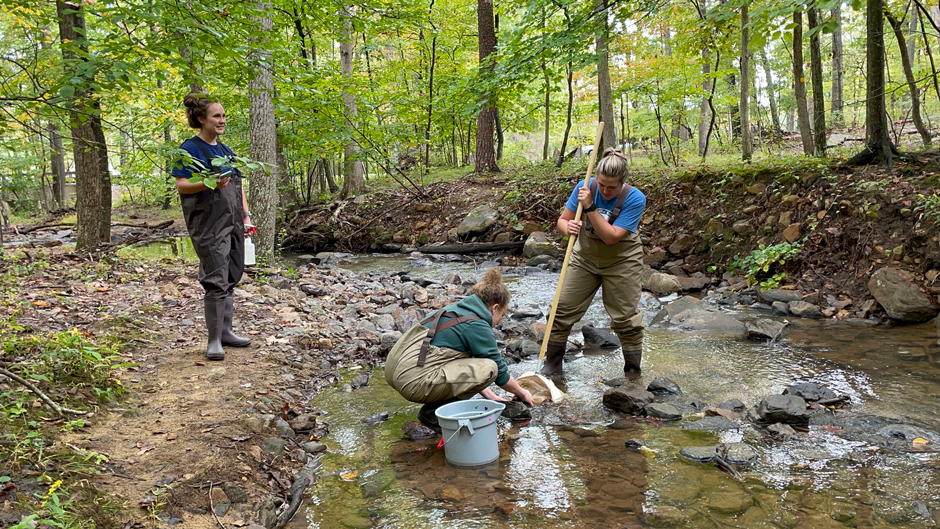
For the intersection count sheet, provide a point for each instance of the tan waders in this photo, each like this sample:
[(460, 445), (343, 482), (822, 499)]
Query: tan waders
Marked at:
[(215, 221), (433, 375), (618, 268)]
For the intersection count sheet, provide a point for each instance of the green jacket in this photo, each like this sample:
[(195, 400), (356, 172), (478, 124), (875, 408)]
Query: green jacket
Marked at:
[(473, 336)]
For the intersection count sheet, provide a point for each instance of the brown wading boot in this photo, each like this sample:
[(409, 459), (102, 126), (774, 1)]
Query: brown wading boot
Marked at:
[(215, 309), (229, 338), (554, 358), (631, 362)]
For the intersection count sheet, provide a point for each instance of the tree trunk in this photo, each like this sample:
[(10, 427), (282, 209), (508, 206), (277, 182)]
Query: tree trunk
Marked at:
[(427, 126), (604, 93), (57, 153), (835, 110), (500, 139), (101, 145), (705, 106), (799, 85), (328, 172), (84, 151), (771, 93), (262, 184), (353, 172), (564, 139), (747, 148), (819, 99), (911, 82), (486, 155), (878, 145), (548, 110)]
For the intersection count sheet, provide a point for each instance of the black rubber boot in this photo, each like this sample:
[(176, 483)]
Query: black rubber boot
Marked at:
[(631, 362), (426, 414), (215, 310), (228, 337), (554, 358)]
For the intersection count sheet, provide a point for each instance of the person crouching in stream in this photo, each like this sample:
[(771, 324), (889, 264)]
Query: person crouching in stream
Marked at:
[(452, 354), (607, 253)]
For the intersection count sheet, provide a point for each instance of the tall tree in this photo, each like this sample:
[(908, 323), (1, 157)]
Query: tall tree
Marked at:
[(353, 171), (771, 93), (819, 99), (604, 94), (72, 35), (799, 85), (104, 172), (909, 76), (262, 182), (878, 144), (747, 147), (486, 152), (835, 108)]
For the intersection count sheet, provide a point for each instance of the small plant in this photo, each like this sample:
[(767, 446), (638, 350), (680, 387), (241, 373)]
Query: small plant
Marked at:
[(928, 207), (761, 264)]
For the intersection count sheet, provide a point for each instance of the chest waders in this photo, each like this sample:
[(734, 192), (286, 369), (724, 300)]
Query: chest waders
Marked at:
[(618, 268), (215, 221), (428, 374)]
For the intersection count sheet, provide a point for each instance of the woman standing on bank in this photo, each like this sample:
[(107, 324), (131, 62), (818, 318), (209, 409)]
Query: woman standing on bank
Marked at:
[(216, 219), (607, 253), (452, 355)]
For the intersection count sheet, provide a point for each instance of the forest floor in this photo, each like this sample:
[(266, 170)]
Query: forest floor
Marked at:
[(181, 423)]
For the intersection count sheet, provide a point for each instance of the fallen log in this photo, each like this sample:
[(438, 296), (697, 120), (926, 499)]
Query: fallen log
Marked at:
[(476, 247)]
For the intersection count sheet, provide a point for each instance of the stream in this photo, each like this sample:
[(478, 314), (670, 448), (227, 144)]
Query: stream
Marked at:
[(569, 466)]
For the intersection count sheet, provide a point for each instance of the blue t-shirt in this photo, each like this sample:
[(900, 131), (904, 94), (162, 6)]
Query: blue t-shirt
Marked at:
[(216, 151), (630, 212)]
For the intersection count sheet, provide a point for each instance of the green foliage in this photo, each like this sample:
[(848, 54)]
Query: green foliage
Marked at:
[(763, 264), (928, 207)]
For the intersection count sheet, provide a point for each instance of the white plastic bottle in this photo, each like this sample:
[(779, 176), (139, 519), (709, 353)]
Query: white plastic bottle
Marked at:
[(249, 252)]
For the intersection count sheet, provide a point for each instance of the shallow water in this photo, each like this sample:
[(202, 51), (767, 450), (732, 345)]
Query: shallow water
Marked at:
[(569, 468)]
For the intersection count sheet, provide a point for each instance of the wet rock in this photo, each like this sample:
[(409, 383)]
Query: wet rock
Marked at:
[(523, 348), (536, 331), (729, 503), (805, 310), (452, 494), (273, 446), (516, 411), (303, 422), (699, 454), (663, 386), (763, 329), (715, 423), (787, 409), (529, 310), (631, 402), (452, 279), (779, 294), (780, 308), (896, 292), (907, 433), (709, 319), (594, 337), (480, 219), (666, 412), (733, 405), (360, 381), (782, 432), (693, 284), (537, 244), (539, 260), (313, 447), (417, 432), (661, 515), (635, 444), (662, 284), (680, 305), (380, 417), (810, 392), (739, 454)]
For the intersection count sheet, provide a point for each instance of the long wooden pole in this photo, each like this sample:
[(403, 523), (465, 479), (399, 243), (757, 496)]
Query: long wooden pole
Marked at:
[(571, 239)]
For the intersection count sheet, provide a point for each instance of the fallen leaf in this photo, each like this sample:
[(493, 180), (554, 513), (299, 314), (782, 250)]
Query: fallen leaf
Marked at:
[(171, 437), (647, 451), (921, 441), (207, 430), (349, 475), (102, 289), (40, 303)]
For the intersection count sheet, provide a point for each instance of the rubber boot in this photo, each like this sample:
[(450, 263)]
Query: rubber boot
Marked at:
[(228, 337), (426, 414), (554, 358), (215, 310), (631, 362)]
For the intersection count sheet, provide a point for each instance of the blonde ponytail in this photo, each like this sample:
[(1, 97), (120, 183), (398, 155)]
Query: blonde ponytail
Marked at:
[(614, 165)]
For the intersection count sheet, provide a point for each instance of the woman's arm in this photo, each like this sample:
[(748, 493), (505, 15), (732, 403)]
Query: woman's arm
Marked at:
[(513, 387), (566, 223), (245, 208), (609, 234)]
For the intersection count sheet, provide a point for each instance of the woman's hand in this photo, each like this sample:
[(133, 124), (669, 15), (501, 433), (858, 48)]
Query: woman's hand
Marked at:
[(526, 397), (489, 394), (584, 197), (574, 227)]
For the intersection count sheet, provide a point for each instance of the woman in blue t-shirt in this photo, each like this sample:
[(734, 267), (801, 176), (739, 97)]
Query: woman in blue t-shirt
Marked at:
[(608, 253), (216, 219)]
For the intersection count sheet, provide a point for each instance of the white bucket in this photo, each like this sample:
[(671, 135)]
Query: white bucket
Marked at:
[(468, 429), (249, 252)]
